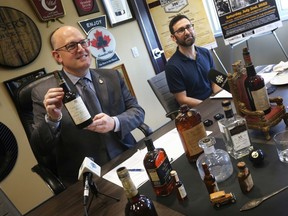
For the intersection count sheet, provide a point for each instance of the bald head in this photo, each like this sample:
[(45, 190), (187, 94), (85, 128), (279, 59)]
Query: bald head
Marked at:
[(61, 35)]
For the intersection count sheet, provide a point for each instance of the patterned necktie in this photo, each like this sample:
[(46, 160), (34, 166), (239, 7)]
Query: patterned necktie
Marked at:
[(89, 97)]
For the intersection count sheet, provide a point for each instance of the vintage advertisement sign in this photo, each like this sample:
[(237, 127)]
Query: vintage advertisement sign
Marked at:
[(241, 19), (162, 11), (89, 24)]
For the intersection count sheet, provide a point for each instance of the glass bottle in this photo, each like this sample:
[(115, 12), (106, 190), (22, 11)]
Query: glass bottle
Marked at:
[(158, 168), (217, 160), (255, 87), (74, 104), (190, 129), (235, 132), (179, 187), (209, 180), (244, 177), (137, 204)]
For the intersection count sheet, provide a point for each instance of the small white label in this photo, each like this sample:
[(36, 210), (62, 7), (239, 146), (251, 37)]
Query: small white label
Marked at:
[(78, 110)]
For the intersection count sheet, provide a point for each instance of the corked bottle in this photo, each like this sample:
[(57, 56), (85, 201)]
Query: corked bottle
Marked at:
[(191, 129), (244, 177)]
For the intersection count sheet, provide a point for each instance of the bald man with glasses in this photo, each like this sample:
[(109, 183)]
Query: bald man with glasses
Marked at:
[(110, 132), (187, 69)]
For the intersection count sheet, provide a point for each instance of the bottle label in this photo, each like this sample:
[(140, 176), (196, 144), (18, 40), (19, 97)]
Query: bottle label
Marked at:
[(182, 191), (192, 137), (160, 175), (240, 137), (261, 99), (78, 110), (249, 182)]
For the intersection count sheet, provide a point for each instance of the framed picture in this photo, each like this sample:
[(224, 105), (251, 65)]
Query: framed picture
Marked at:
[(14, 84), (122, 70), (117, 11), (85, 7)]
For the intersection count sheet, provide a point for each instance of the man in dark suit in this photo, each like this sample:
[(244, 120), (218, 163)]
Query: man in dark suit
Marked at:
[(109, 133)]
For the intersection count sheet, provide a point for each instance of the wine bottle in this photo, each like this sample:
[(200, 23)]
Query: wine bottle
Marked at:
[(74, 104), (255, 86), (137, 205), (209, 180), (191, 129), (158, 168), (179, 187)]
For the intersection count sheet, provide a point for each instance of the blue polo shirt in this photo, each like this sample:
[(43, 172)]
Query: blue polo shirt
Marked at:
[(185, 74)]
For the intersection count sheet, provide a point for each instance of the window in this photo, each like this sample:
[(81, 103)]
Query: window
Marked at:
[(214, 22)]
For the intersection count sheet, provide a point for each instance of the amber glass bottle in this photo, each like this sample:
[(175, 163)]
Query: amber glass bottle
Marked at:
[(209, 180), (191, 129), (244, 177), (74, 104), (138, 205), (158, 168), (179, 187), (255, 87)]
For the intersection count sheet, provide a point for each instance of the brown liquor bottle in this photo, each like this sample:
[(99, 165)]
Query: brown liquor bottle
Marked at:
[(74, 104), (244, 177), (179, 187), (209, 180), (138, 205), (255, 87), (158, 168), (191, 129)]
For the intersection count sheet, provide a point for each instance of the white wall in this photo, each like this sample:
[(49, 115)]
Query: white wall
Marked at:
[(24, 188)]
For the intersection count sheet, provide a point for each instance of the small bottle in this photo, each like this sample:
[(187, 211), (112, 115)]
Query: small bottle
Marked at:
[(235, 132), (158, 168), (209, 180), (179, 187), (255, 87), (217, 160), (137, 204), (74, 104), (244, 177), (191, 129)]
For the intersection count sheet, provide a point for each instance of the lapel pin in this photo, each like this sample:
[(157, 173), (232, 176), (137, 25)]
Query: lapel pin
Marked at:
[(101, 81)]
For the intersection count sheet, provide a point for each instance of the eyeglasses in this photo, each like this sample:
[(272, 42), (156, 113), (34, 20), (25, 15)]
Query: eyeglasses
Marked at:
[(73, 46), (182, 29)]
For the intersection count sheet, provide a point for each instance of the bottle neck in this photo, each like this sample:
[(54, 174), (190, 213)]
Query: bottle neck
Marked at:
[(149, 144), (250, 71), (209, 150), (176, 178), (128, 185)]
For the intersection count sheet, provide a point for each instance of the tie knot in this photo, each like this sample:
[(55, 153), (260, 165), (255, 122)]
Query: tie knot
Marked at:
[(84, 82)]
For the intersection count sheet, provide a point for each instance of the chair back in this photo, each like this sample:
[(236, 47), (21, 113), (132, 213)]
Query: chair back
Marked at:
[(159, 85)]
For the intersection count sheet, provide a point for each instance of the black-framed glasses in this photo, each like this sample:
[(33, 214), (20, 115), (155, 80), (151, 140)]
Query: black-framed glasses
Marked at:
[(73, 46), (181, 30)]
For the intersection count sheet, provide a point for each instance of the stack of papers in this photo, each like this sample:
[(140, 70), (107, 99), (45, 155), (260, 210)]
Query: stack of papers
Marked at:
[(173, 147)]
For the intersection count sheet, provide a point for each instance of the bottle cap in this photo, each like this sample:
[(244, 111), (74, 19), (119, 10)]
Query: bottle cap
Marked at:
[(226, 103), (173, 173), (241, 164), (206, 142)]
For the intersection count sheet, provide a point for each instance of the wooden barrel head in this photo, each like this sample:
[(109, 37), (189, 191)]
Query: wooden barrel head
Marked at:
[(20, 39)]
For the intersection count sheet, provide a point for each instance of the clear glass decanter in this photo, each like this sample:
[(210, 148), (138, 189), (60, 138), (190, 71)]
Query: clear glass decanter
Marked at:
[(218, 160)]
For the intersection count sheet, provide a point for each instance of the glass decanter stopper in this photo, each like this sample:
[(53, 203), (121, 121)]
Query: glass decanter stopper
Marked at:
[(217, 160)]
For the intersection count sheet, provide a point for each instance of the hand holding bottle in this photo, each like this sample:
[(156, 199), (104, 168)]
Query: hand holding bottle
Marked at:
[(53, 103), (102, 123)]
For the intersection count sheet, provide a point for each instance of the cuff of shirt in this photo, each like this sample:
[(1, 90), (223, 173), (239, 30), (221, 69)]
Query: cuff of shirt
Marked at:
[(52, 124), (117, 124)]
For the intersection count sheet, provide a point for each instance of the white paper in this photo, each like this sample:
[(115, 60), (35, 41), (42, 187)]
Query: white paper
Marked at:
[(222, 94), (173, 147)]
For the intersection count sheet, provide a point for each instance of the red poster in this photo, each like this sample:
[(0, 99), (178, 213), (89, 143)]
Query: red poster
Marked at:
[(48, 9)]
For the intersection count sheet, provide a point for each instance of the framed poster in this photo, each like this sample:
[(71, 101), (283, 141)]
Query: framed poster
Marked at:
[(122, 70), (117, 11), (48, 10), (85, 7)]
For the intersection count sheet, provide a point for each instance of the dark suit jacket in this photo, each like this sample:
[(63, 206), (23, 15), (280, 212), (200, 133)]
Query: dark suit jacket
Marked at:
[(70, 144)]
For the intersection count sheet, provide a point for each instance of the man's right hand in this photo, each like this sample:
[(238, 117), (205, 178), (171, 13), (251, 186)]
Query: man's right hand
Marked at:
[(53, 103)]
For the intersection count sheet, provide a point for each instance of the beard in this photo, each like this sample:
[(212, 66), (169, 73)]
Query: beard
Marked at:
[(188, 41)]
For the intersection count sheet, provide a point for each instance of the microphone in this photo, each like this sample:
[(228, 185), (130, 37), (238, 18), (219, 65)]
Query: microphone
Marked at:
[(87, 171), (219, 79)]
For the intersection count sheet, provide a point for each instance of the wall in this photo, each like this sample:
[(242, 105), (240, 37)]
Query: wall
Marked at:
[(24, 188)]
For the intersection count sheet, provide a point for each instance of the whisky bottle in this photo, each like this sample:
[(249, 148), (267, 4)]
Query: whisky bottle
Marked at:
[(179, 187), (158, 168), (74, 104), (137, 205), (244, 177), (217, 160), (209, 180), (235, 133), (255, 87), (190, 129)]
